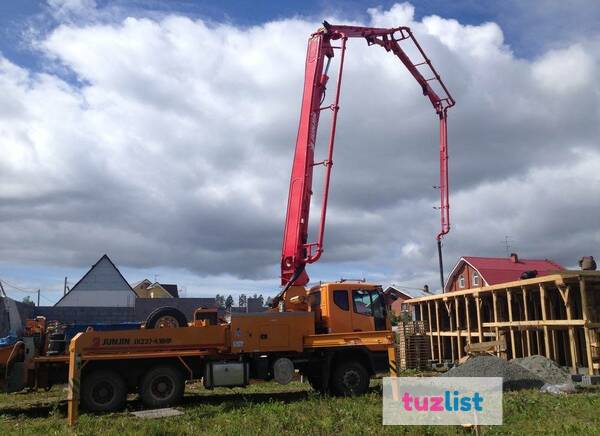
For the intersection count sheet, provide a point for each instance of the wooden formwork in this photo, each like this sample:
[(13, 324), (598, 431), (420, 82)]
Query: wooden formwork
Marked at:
[(411, 345), (557, 316)]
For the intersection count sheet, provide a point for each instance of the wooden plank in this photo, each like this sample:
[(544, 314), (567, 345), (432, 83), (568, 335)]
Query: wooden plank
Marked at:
[(554, 336), (468, 319), (536, 315), (554, 323), (495, 308), (565, 294), (450, 316), (559, 277), (458, 335), (488, 346), (446, 334), (439, 337), (430, 331), (586, 331), (479, 327), (543, 305), (510, 318), (526, 313)]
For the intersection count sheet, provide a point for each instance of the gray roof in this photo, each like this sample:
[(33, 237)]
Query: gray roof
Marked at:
[(412, 293)]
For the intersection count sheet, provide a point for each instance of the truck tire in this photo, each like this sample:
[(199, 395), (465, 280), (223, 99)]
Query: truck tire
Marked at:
[(166, 317), (162, 386), (350, 378), (103, 391)]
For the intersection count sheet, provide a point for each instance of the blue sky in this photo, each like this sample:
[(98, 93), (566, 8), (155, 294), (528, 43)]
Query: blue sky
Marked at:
[(529, 26), (534, 70)]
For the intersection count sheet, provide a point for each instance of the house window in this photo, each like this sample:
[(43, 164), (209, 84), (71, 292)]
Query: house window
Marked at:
[(461, 281), (475, 279)]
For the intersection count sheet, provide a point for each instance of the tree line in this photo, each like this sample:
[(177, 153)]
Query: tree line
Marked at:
[(228, 301)]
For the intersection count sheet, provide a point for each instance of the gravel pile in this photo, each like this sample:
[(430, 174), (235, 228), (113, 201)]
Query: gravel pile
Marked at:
[(514, 376), (544, 368)]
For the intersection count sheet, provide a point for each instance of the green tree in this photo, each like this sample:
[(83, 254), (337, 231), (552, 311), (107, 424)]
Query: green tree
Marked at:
[(229, 302), (28, 300), (269, 301), (220, 300), (261, 300), (243, 300)]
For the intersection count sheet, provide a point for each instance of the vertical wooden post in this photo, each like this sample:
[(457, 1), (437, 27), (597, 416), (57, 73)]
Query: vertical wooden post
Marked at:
[(468, 320), (430, 331), (450, 317), (565, 294), (437, 325), (478, 309), (526, 312), (586, 329), (510, 318), (554, 336), (495, 307), (73, 380), (421, 311), (543, 305), (458, 334), (536, 316)]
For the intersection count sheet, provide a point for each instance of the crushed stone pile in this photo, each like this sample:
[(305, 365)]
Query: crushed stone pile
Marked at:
[(514, 376), (544, 368)]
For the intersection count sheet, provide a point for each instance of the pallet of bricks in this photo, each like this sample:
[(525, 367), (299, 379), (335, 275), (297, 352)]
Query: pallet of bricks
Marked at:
[(412, 345)]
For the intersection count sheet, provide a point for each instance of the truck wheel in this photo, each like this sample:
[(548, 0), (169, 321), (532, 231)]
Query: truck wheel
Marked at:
[(166, 317), (162, 386), (350, 378), (103, 391)]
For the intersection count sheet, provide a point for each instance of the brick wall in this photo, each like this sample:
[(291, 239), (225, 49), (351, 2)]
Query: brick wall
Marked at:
[(77, 315), (74, 314)]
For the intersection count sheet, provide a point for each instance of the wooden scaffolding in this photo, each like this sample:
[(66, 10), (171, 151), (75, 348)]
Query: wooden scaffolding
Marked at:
[(557, 316)]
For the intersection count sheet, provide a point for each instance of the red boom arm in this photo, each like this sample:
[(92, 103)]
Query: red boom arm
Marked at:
[(296, 250)]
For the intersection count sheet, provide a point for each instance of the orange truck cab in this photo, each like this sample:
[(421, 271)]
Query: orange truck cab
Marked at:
[(347, 306)]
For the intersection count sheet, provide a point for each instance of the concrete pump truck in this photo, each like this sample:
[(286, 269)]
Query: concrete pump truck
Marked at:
[(338, 335)]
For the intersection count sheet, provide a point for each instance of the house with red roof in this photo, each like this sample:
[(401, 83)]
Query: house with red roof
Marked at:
[(472, 271)]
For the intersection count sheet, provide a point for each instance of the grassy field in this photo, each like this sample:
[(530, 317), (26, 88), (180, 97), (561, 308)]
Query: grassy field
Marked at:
[(269, 408)]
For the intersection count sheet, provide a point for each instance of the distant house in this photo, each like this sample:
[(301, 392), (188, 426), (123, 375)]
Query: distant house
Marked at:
[(146, 289), (472, 272), (103, 285), (396, 297)]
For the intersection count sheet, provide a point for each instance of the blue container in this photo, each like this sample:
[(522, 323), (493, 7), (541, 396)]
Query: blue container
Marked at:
[(73, 329)]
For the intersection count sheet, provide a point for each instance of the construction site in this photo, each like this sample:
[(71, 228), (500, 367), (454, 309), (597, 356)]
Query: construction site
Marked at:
[(321, 356)]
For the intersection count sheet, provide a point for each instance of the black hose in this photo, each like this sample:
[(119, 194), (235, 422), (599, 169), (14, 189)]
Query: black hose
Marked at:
[(439, 244)]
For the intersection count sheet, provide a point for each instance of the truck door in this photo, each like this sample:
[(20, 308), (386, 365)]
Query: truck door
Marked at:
[(378, 309), (368, 310)]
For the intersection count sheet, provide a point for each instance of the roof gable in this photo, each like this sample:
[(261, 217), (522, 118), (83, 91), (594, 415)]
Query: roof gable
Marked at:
[(494, 270), (102, 276)]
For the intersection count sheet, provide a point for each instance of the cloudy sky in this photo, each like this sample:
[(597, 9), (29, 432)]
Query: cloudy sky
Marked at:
[(162, 133)]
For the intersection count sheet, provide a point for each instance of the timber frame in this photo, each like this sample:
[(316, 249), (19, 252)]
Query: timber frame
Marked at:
[(557, 316)]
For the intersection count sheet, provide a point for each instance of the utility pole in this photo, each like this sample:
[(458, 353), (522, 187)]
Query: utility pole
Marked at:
[(38, 298), (65, 287), (506, 243), (2, 289)]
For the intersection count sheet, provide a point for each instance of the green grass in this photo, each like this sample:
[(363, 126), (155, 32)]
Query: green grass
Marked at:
[(269, 408)]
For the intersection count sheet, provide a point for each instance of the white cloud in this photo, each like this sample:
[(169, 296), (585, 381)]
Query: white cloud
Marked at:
[(173, 149), (565, 70)]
